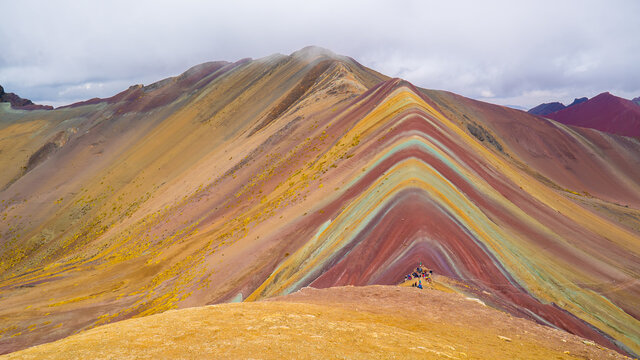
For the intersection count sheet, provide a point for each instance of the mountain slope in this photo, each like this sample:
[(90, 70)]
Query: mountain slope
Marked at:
[(604, 112), (255, 179), (358, 322), (94, 205)]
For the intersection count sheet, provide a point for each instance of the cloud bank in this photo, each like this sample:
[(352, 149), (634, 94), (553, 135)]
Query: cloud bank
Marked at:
[(506, 52)]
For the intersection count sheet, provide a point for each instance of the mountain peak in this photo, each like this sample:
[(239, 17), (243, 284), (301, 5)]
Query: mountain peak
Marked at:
[(258, 178), (605, 112), (546, 108), (312, 52), (577, 101), (605, 95)]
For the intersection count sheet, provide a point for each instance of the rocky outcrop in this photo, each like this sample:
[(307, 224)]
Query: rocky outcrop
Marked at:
[(19, 103)]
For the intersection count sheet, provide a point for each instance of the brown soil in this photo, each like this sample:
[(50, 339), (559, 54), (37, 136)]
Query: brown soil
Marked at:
[(373, 322)]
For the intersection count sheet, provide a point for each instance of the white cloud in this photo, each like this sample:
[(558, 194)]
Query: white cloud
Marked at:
[(487, 94), (505, 49)]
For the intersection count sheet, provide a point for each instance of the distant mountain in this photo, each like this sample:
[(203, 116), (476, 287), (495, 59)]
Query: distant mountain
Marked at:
[(636, 100), (577, 101), (546, 108), (19, 103), (604, 112)]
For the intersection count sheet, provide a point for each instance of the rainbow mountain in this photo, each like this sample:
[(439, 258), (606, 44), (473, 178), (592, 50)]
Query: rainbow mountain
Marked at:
[(249, 180)]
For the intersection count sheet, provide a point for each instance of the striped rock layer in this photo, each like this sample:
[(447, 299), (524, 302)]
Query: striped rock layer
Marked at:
[(254, 179)]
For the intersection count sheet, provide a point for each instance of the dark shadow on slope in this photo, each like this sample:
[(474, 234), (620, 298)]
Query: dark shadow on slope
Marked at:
[(295, 94)]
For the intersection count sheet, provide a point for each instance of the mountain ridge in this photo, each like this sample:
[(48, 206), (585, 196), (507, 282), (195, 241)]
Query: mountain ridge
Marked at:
[(548, 108), (264, 177), (604, 112)]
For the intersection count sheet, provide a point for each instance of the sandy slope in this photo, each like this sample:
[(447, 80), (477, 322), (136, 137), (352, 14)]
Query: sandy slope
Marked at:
[(382, 322)]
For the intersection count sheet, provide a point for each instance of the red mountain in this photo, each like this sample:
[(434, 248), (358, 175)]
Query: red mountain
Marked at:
[(604, 112)]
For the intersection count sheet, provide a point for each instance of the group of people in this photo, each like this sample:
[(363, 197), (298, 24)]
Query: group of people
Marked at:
[(420, 273)]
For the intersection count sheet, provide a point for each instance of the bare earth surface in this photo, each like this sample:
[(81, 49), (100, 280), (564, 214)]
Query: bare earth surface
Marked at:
[(372, 322)]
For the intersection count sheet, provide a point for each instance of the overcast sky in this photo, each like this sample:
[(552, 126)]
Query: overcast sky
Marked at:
[(506, 52)]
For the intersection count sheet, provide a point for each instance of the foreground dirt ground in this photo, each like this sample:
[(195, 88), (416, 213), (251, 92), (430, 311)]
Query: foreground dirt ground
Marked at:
[(372, 322)]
